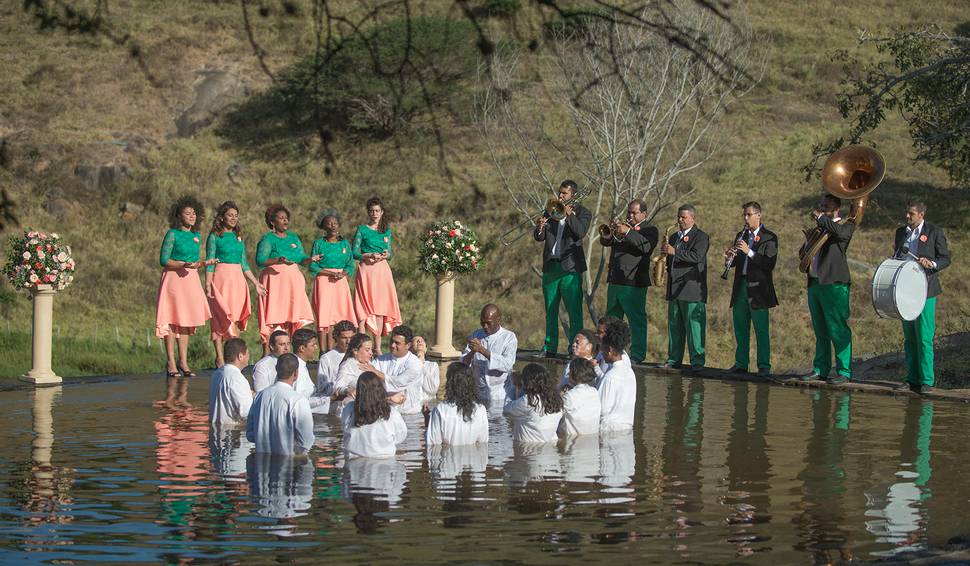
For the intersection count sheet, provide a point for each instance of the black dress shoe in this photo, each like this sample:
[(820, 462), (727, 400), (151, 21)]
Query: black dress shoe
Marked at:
[(811, 377), (904, 387), (838, 380), (764, 372), (735, 370), (924, 389), (549, 355), (695, 369)]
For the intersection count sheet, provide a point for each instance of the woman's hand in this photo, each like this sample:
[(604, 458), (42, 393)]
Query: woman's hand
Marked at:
[(208, 290), (260, 289), (317, 257)]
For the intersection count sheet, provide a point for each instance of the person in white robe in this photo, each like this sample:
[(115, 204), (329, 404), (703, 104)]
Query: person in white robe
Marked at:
[(618, 386), (305, 347), (403, 371), (581, 402), (372, 427), (230, 396), (357, 360), (431, 372), (535, 415), (460, 418), (280, 421), (606, 323), (264, 372), (491, 352), (585, 346), (330, 360)]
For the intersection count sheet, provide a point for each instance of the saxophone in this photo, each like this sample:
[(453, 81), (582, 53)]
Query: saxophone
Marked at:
[(660, 261)]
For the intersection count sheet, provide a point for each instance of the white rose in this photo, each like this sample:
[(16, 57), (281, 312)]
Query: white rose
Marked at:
[(54, 235), (34, 278), (40, 255), (26, 255)]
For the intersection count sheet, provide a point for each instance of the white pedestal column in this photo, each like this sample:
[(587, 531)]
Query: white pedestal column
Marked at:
[(40, 372), (444, 319)]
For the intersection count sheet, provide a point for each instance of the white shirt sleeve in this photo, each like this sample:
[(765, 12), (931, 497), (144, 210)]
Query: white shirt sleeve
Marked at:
[(432, 435), (242, 396), (503, 358), (262, 377), (609, 397), (400, 428), (480, 419), (303, 425), (410, 375), (251, 422), (432, 380), (345, 376), (517, 409)]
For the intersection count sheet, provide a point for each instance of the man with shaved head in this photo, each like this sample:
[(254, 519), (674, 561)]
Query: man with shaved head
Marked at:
[(491, 354)]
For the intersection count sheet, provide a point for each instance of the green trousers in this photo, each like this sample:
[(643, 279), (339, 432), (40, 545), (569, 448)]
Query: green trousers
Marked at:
[(918, 344), (558, 285), (630, 301), (686, 319), (829, 307), (744, 316)]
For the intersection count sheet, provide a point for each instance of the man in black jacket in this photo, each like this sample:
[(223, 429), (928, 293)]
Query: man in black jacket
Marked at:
[(828, 295), (686, 290), (753, 259), (563, 265), (629, 275), (927, 242)]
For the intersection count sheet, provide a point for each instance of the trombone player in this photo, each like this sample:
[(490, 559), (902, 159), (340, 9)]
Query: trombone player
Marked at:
[(753, 258), (563, 264), (631, 244)]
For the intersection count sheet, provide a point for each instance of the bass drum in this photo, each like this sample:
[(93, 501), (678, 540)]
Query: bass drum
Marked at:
[(899, 289)]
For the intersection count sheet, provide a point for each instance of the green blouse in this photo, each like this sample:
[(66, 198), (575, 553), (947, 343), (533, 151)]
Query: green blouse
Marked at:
[(336, 255), (272, 246), (370, 241), (227, 248), (180, 245)]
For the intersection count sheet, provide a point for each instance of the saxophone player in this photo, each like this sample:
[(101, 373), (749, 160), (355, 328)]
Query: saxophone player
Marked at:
[(631, 243), (753, 259)]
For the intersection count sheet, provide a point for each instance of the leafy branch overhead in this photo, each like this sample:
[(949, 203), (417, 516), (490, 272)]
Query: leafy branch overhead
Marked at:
[(925, 76)]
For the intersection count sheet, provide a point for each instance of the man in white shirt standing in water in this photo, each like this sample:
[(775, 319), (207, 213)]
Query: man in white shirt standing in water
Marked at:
[(403, 371), (330, 360), (264, 372), (230, 397), (491, 354), (280, 421), (618, 386)]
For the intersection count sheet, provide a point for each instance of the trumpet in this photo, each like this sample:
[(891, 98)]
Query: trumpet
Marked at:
[(660, 261), (733, 251), (607, 231), (554, 210)]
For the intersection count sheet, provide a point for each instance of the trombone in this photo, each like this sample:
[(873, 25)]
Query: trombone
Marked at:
[(554, 210)]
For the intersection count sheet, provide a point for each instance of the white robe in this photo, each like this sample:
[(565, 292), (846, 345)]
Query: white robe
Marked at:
[(230, 397), (604, 366), (304, 386), (531, 425), (564, 381), (264, 373), (375, 440), (581, 411), (431, 382), (347, 374), (618, 397), (447, 426), (327, 371), (492, 373), (280, 421), (405, 375)]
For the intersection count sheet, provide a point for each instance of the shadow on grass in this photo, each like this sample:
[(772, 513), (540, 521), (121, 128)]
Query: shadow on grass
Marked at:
[(264, 127)]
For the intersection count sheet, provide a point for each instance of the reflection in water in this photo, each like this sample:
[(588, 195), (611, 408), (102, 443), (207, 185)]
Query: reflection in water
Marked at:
[(373, 485), (229, 448), (281, 488), (458, 478), (617, 465), (748, 470), (580, 458), (823, 479), (683, 437), (182, 458), (902, 518)]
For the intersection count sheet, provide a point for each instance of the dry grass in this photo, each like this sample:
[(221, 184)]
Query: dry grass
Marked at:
[(67, 94)]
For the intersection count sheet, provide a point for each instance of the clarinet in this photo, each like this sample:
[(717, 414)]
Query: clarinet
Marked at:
[(727, 262)]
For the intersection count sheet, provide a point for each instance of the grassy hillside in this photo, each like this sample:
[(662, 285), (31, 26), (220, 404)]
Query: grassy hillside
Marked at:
[(70, 102)]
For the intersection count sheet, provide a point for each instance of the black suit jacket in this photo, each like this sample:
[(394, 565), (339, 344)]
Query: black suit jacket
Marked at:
[(761, 286), (933, 249), (833, 266), (687, 268), (630, 256), (571, 255)]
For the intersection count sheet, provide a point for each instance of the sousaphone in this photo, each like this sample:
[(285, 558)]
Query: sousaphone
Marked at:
[(850, 173)]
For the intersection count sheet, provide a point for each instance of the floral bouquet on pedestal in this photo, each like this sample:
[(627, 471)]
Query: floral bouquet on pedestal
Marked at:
[(39, 258), (449, 248)]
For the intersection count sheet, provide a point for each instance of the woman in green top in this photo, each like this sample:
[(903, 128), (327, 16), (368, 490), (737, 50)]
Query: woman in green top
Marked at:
[(280, 253), (181, 305), (331, 293), (375, 297), (225, 283)]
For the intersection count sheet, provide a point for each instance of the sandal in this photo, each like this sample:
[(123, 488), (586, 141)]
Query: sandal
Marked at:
[(186, 372), (172, 373)]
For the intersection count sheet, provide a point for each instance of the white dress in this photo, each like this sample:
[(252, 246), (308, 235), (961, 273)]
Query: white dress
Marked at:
[(230, 397), (431, 382), (618, 397), (492, 373), (531, 425), (564, 381), (347, 374), (280, 421), (580, 412), (447, 426), (264, 373), (405, 375), (375, 440)]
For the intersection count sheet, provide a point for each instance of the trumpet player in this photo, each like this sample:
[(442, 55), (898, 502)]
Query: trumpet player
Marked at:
[(686, 253), (752, 257), (563, 265), (631, 242)]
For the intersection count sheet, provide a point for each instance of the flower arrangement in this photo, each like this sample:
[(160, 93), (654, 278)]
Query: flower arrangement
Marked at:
[(449, 247), (39, 258)]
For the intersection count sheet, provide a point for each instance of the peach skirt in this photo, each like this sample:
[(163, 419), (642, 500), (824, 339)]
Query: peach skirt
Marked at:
[(285, 305), (181, 305), (375, 295), (229, 301), (331, 302)]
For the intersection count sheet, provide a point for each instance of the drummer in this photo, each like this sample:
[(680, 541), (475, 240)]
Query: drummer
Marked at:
[(926, 242)]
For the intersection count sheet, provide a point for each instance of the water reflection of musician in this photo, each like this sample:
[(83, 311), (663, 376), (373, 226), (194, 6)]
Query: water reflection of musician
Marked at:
[(927, 242)]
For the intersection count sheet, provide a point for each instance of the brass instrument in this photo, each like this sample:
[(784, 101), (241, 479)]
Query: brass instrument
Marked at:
[(659, 269), (733, 251), (850, 173), (554, 210), (607, 231)]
